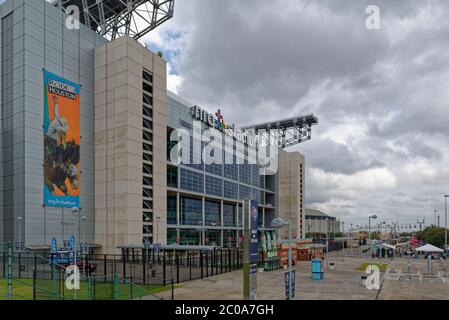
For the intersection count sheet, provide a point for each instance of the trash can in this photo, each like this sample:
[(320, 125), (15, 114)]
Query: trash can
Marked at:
[(317, 269), (364, 278)]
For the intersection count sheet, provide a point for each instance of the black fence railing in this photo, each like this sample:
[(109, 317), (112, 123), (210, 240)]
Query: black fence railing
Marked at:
[(333, 244), (141, 267)]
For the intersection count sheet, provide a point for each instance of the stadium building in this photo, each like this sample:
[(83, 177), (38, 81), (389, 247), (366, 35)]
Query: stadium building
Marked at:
[(86, 137)]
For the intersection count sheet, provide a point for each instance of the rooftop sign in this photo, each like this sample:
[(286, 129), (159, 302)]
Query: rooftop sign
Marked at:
[(217, 121)]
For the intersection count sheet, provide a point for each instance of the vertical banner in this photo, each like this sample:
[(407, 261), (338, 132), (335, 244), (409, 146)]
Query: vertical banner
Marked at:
[(254, 228), (251, 252), (62, 165), (254, 247)]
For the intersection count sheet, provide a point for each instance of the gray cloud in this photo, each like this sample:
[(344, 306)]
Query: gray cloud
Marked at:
[(338, 158), (381, 96)]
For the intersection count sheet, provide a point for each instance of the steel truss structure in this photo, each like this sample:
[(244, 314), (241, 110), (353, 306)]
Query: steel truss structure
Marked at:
[(287, 132), (116, 18)]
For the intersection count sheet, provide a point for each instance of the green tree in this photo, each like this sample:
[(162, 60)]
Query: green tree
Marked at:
[(432, 235), (375, 235)]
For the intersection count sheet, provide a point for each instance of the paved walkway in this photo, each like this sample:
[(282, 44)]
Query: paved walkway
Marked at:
[(342, 283), (426, 287)]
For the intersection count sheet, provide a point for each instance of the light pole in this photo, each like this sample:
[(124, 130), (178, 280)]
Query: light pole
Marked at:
[(75, 257), (344, 239), (157, 229), (63, 224), (279, 223), (19, 221), (75, 211), (435, 217), (369, 226), (445, 220), (327, 242), (84, 219), (369, 231), (147, 220)]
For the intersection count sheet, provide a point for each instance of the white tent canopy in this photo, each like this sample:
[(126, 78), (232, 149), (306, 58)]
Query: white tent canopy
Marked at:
[(428, 248), (388, 246)]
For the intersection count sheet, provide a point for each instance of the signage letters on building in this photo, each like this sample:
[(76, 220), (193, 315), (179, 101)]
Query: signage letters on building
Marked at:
[(216, 121)]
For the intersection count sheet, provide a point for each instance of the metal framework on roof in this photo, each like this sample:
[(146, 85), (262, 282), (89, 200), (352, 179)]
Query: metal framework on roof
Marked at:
[(116, 18), (287, 132)]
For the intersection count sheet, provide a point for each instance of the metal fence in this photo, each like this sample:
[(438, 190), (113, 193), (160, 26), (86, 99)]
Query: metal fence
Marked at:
[(133, 268), (28, 276), (158, 268)]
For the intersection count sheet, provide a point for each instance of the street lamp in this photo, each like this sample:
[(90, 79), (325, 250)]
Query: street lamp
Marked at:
[(277, 224), (19, 221), (157, 229), (369, 226), (344, 239), (327, 242), (84, 219), (369, 231), (435, 217), (445, 220), (75, 258), (76, 210), (147, 220)]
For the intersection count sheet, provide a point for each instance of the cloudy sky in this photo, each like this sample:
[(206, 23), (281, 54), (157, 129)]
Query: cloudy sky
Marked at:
[(382, 96)]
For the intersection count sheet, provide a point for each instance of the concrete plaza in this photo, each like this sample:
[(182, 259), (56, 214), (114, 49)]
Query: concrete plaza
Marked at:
[(341, 283)]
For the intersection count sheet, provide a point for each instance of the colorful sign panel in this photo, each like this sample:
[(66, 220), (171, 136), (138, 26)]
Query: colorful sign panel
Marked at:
[(62, 165), (54, 248), (254, 228)]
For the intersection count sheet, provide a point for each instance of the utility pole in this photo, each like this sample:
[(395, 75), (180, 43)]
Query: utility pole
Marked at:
[(445, 220), (435, 217)]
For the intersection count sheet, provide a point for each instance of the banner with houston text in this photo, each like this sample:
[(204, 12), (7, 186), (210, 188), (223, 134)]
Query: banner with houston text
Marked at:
[(62, 163)]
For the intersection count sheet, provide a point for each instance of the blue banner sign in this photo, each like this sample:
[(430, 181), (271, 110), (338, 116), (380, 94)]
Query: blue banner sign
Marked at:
[(72, 243), (54, 248), (254, 228)]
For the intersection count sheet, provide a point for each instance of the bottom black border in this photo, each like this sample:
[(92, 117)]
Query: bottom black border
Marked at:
[(283, 310)]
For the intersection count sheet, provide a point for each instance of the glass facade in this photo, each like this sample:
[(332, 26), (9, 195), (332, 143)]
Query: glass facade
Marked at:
[(229, 215), (214, 186), (245, 173), (213, 238), (171, 210), (231, 190), (190, 237), (216, 169), (192, 181), (172, 236), (244, 192), (172, 177), (213, 213), (230, 238), (216, 189), (191, 211)]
